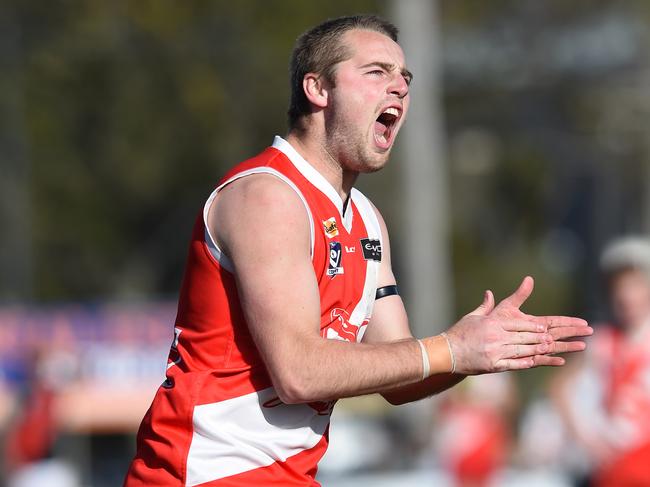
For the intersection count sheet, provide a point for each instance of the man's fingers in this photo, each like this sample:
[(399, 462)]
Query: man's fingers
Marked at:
[(559, 321), (519, 351), (566, 347), (548, 360), (514, 364), (486, 306), (522, 293), (529, 362), (523, 325), (570, 332), (529, 338)]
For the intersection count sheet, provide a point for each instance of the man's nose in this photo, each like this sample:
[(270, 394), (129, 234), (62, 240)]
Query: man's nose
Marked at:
[(398, 86)]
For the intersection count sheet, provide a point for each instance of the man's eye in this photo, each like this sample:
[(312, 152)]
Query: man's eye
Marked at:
[(376, 72)]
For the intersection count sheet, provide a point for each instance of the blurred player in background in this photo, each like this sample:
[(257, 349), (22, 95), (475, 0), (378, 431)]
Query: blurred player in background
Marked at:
[(611, 418), (289, 301), (472, 429), (30, 439)]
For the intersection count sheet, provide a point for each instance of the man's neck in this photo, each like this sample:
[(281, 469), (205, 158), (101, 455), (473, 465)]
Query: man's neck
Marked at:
[(314, 151)]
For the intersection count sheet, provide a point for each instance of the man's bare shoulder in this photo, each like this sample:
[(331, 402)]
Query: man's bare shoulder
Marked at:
[(259, 192), (257, 205)]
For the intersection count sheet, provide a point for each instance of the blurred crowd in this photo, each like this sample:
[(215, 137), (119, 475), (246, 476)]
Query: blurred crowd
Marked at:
[(75, 382)]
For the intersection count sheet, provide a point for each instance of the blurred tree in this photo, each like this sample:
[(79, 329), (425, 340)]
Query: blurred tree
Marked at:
[(121, 116), (541, 176), (132, 111)]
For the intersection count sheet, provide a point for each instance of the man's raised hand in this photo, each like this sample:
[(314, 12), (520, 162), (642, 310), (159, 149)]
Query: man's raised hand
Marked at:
[(495, 338)]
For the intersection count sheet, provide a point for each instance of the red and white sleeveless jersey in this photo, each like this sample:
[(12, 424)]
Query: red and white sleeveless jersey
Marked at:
[(217, 420)]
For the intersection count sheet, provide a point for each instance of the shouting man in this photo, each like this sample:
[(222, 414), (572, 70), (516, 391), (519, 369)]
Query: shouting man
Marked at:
[(289, 301)]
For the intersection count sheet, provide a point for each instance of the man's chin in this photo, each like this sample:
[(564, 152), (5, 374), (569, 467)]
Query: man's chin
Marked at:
[(375, 163), (370, 170)]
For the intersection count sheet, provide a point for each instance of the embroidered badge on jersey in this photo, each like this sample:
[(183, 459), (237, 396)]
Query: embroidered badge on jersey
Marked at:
[(371, 249), (331, 229), (334, 266)]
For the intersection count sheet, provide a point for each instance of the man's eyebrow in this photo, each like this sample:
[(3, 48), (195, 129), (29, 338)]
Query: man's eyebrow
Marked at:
[(390, 67)]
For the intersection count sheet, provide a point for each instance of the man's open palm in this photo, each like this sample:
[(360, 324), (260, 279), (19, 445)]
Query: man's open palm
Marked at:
[(502, 337)]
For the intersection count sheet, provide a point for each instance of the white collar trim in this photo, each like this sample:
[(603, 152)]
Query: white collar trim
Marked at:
[(309, 171)]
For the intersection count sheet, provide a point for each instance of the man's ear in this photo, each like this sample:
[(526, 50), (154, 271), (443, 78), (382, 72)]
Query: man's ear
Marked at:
[(316, 90)]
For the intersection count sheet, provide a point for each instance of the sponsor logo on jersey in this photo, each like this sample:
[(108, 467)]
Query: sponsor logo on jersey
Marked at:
[(334, 266), (350, 250), (371, 249), (331, 229)]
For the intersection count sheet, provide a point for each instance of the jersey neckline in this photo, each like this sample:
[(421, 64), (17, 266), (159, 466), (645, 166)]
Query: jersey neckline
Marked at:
[(316, 178)]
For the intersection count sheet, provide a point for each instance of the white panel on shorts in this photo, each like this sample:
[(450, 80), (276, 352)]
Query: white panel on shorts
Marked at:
[(216, 252), (241, 434)]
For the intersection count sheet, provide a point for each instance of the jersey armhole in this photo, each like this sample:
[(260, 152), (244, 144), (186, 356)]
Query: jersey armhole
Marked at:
[(371, 222), (209, 239), (368, 215)]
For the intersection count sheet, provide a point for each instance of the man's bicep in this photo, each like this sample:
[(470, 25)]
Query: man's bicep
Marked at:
[(263, 227)]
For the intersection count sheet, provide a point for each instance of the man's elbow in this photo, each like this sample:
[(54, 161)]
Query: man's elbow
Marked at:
[(292, 389), (289, 395)]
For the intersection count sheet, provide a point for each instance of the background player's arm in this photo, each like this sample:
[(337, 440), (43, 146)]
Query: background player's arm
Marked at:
[(262, 225)]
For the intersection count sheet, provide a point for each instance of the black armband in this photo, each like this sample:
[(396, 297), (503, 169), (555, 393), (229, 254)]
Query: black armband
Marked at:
[(382, 292)]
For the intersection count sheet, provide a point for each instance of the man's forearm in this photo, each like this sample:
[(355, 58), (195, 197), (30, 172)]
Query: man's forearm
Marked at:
[(329, 369), (419, 390)]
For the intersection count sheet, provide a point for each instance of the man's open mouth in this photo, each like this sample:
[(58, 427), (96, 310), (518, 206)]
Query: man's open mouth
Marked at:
[(384, 127)]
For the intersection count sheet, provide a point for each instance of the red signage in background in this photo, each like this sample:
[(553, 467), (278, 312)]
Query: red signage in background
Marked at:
[(104, 362)]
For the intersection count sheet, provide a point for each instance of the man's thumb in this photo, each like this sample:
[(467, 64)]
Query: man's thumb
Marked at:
[(486, 306)]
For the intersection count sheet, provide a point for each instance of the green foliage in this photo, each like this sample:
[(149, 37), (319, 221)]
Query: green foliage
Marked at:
[(131, 112)]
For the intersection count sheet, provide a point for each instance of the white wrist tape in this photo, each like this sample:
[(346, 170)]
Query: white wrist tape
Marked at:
[(451, 352), (426, 366)]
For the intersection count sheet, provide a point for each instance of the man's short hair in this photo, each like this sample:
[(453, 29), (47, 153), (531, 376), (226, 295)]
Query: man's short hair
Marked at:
[(319, 50)]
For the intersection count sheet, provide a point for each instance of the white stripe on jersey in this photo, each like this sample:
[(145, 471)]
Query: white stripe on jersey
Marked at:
[(241, 434), (363, 310)]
